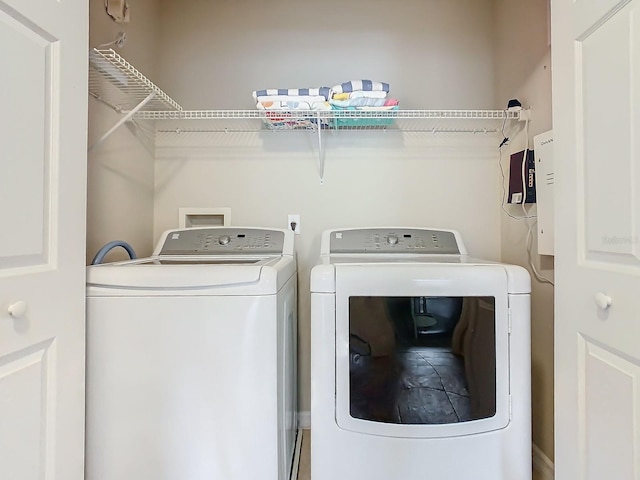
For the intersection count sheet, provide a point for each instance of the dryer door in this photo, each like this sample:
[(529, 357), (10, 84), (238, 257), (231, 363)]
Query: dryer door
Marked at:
[(422, 351)]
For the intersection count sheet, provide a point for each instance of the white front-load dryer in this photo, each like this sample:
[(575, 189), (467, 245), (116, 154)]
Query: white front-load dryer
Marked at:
[(191, 359), (420, 359)]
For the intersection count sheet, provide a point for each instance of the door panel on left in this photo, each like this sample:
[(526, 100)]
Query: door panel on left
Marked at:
[(25, 402), (28, 148), (43, 153)]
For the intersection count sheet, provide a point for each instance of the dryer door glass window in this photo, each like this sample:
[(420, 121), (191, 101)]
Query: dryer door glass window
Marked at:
[(422, 360)]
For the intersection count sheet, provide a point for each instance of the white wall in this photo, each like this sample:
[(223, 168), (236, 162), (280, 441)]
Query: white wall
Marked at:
[(435, 54), (120, 170), (523, 71)]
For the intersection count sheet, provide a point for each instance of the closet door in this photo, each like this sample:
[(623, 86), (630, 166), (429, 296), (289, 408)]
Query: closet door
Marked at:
[(596, 123), (43, 108)]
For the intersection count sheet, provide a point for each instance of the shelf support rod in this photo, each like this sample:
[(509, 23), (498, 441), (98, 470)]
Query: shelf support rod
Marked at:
[(320, 148), (124, 119)]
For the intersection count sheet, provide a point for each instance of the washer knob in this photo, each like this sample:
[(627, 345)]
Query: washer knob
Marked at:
[(224, 240), (392, 239)]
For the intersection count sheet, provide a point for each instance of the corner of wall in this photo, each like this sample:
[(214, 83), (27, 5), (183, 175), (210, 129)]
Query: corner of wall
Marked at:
[(120, 173), (523, 71)]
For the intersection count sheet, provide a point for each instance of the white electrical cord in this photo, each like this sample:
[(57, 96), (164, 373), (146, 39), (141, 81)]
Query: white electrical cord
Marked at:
[(504, 143), (118, 42), (528, 242), (538, 276)]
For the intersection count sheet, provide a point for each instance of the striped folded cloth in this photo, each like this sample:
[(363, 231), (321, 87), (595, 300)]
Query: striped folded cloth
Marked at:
[(293, 92), (364, 85)]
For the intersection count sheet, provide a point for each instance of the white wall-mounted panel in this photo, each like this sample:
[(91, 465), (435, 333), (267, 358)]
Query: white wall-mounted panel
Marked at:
[(545, 181)]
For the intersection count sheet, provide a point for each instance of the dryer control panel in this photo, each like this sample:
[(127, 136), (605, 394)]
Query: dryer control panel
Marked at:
[(394, 240), (223, 240)]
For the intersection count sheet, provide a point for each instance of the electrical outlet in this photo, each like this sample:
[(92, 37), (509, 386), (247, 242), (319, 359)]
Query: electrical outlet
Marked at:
[(294, 223)]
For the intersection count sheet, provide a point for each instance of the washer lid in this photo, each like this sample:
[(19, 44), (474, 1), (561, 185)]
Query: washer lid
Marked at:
[(186, 272)]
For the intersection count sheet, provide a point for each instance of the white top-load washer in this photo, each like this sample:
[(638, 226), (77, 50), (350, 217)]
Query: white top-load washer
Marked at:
[(420, 359), (191, 359)]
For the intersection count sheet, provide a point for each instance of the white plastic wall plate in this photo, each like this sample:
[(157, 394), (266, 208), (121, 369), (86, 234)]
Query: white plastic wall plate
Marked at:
[(189, 217)]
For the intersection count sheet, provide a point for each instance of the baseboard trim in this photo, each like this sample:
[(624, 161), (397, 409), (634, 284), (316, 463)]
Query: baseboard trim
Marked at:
[(542, 465), (304, 419)]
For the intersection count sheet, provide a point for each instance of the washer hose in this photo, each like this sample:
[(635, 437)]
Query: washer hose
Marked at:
[(107, 248)]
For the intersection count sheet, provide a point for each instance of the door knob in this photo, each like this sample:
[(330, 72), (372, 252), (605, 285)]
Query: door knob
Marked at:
[(603, 301), (18, 309)]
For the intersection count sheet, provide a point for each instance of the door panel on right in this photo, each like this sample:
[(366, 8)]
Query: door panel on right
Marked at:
[(596, 122)]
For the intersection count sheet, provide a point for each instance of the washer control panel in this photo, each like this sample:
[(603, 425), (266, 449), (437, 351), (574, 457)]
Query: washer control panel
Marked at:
[(215, 241), (400, 240)]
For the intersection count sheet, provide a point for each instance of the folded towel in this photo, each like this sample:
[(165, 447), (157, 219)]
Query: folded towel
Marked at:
[(359, 102), (365, 109), (340, 96), (283, 106), (292, 105), (293, 92), (377, 109), (359, 94), (365, 85), (362, 93), (290, 98)]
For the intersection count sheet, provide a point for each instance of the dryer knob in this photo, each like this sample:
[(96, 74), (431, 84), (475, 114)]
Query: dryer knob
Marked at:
[(392, 239), (224, 240)]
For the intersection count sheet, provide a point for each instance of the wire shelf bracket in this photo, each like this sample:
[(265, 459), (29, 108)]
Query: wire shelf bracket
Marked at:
[(116, 83)]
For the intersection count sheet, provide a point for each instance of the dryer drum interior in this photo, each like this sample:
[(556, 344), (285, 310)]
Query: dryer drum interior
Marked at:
[(422, 360)]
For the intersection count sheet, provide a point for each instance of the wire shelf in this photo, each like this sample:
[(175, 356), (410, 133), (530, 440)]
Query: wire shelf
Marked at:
[(117, 83), (434, 121), (330, 114)]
